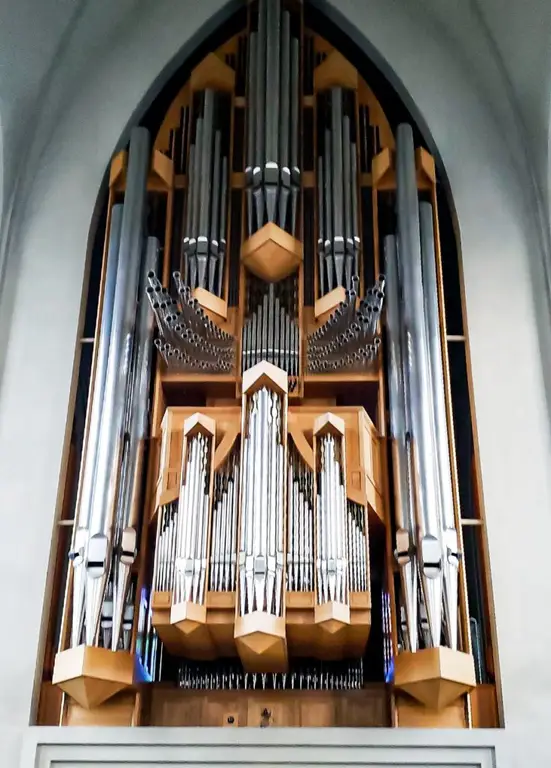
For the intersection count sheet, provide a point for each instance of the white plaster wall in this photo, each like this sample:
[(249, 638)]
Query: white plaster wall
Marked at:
[(48, 248)]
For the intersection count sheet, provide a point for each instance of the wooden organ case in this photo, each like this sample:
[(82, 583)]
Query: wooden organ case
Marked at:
[(270, 546)]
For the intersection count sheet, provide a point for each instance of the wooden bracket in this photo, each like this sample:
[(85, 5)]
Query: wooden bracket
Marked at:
[(326, 305), (335, 71), (214, 73), (91, 675), (271, 253), (214, 307), (435, 676), (261, 642)]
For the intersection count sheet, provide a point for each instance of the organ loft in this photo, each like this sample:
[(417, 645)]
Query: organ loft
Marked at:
[(271, 512)]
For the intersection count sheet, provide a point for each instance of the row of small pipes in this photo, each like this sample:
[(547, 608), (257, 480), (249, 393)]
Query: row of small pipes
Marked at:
[(358, 571), (223, 547), (300, 524), (188, 340), (110, 485), (223, 557), (272, 174), (270, 332), (348, 340), (426, 539), (305, 674)]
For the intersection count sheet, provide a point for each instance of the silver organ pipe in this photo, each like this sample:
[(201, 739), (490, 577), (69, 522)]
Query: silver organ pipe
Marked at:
[(262, 489), (356, 547), (132, 475), (400, 433), (300, 524), (191, 550), (270, 330), (449, 534), (426, 543), (78, 555), (338, 229), (204, 237), (109, 449), (223, 550), (272, 171), (331, 520), (418, 372), (165, 549)]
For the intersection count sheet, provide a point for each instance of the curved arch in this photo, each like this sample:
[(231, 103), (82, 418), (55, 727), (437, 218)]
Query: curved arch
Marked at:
[(49, 241)]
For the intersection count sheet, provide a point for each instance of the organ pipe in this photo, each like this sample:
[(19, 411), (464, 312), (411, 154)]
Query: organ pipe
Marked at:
[(331, 521), (89, 460), (426, 542), (272, 173), (418, 372), (338, 238), (138, 412), (204, 240), (450, 561), (261, 545), (109, 448), (191, 551), (400, 433)]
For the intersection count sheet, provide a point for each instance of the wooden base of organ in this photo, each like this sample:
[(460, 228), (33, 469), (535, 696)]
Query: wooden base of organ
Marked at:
[(91, 675)]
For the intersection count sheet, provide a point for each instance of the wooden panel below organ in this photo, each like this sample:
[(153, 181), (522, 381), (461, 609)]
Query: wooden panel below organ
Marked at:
[(367, 708)]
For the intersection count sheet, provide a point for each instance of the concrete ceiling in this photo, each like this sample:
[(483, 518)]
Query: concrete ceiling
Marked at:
[(46, 44)]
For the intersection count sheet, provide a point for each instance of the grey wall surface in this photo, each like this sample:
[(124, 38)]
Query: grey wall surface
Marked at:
[(501, 242)]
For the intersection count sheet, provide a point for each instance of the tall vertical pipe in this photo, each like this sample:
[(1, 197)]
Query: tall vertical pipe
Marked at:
[(405, 513), (117, 380), (450, 543), (337, 158), (130, 493), (284, 131), (90, 456), (251, 114), (418, 363), (295, 98)]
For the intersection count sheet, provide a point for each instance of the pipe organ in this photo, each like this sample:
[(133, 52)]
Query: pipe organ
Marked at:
[(255, 524)]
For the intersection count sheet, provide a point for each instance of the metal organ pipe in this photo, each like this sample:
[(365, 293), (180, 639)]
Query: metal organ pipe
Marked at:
[(78, 554), (116, 382), (400, 435), (204, 237), (337, 191), (130, 492), (449, 533), (330, 515), (300, 524), (262, 505), (191, 557), (419, 375), (272, 175), (222, 575)]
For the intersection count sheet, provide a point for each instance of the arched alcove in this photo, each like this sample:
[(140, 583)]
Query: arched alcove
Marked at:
[(462, 132), (220, 62)]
